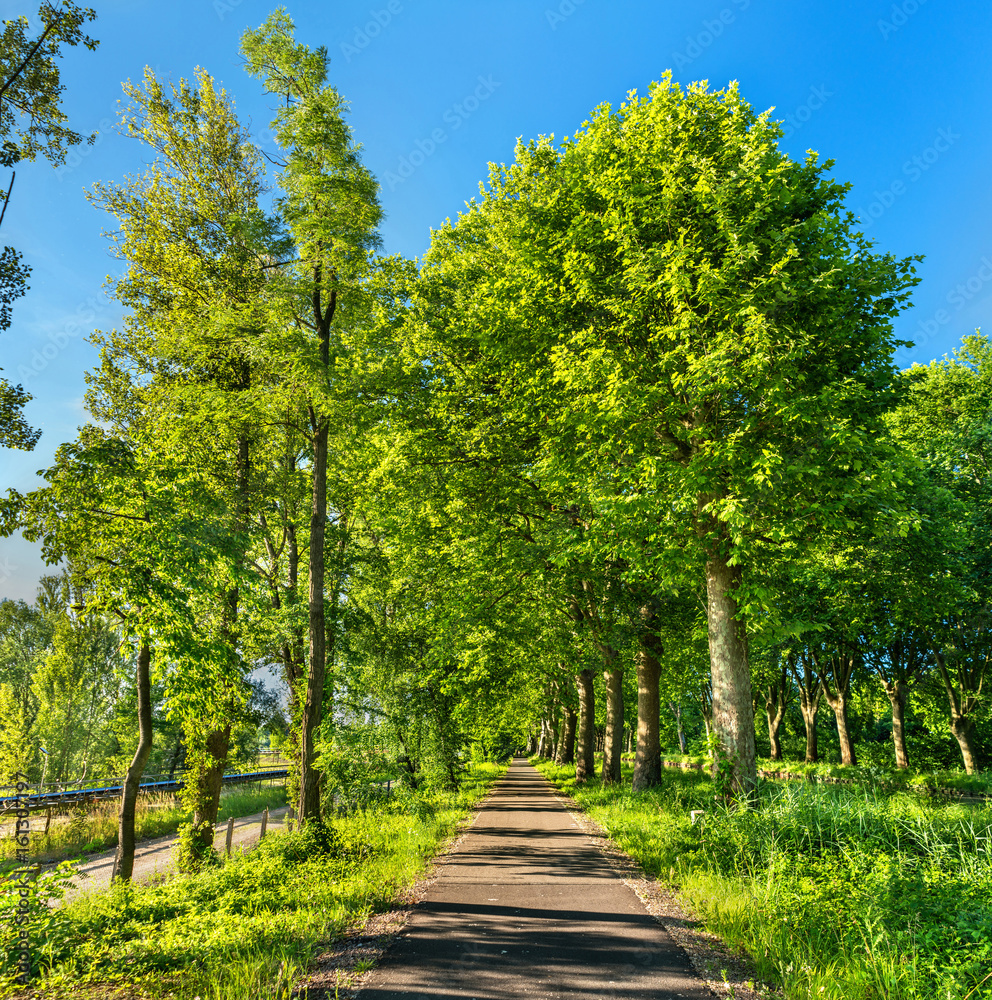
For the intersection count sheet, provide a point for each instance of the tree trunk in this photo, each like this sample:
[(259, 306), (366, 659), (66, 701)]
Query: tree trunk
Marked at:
[(809, 718), (962, 726), (677, 712), (446, 738), (647, 762), (313, 706), (962, 723), (585, 765), (898, 695), (774, 713), (838, 666), (776, 702), (733, 714), (613, 746), (124, 859), (562, 736), (178, 756), (810, 691), (209, 780), (706, 707), (408, 762), (774, 716), (838, 703), (568, 740), (291, 649)]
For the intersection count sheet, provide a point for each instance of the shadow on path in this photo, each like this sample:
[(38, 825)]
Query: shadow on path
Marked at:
[(529, 907)]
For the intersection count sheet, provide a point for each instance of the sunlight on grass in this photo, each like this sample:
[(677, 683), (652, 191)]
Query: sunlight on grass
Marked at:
[(248, 927), (839, 893)]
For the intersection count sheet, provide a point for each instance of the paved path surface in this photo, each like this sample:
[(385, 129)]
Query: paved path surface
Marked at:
[(154, 857), (529, 907)]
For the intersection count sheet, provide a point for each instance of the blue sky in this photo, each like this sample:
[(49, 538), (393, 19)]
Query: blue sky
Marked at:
[(896, 93)]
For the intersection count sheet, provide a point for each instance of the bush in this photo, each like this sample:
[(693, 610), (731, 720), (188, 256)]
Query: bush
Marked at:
[(32, 929)]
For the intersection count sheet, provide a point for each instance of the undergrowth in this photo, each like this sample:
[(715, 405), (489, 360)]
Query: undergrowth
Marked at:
[(837, 892), (865, 774), (247, 928)]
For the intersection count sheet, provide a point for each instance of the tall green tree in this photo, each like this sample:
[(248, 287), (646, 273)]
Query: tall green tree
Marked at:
[(186, 374), (329, 202)]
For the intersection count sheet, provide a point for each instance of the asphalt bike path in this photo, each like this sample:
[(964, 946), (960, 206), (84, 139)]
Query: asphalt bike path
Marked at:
[(528, 906)]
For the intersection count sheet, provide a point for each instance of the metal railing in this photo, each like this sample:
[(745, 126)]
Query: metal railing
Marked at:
[(62, 793)]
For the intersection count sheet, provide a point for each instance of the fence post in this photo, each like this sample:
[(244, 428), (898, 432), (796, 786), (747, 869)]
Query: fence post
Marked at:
[(48, 819), (265, 822), (230, 833)]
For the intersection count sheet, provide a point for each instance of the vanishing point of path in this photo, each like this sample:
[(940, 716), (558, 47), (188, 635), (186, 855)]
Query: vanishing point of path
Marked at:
[(529, 907)]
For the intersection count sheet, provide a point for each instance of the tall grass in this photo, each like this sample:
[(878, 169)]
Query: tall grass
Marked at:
[(93, 827), (947, 780), (839, 893), (246, 928)]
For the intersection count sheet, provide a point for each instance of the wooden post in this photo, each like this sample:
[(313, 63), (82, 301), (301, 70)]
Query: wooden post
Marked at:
[(230, 834), (48, 819), (265, 822)]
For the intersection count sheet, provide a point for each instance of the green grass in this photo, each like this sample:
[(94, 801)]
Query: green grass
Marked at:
[(953, 780), (837, 892), (246, 928), (93, 827)]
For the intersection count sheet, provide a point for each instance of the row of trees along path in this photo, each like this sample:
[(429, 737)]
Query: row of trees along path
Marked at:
[(641, 391)]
